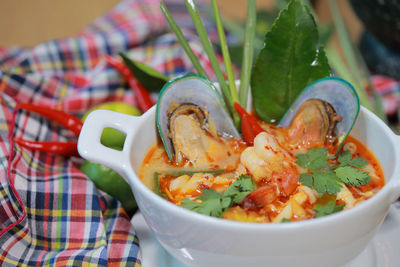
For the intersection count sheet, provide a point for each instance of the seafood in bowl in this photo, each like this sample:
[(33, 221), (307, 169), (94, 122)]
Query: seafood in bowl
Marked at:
[(198, 240), (287, 173), (316, 170)]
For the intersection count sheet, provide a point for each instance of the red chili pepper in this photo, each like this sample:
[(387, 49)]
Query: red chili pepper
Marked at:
[(68, 121), (60, 148), (247, 132), (253, 122), (249, 125), (142, 96)]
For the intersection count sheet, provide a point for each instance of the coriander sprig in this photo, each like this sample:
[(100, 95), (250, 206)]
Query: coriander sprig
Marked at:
[(327, 178), (322, 182), (328, 208), (314, 159), (213, 203), (345, 159), (347, 172)]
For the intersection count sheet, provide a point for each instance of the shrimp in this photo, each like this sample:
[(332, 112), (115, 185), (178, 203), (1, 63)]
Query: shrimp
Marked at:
[(260, 197), (267, 160)]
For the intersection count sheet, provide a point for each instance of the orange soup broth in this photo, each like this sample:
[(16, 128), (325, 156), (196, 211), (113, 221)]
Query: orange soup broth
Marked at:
[(156, 160), (377, 180)]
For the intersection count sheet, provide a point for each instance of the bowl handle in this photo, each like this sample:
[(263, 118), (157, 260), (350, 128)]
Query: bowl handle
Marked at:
[(90, 147)]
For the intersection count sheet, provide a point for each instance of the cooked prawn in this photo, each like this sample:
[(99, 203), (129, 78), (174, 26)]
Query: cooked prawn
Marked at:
[(267, 160)]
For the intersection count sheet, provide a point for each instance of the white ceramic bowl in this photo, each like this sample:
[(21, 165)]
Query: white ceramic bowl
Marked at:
[(198, 240)]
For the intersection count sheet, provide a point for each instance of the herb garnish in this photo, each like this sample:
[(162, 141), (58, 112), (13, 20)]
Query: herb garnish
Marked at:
[(157, 185), (350, 175), (323, 182), (240, 188), (213, 203), (328, 208), (314, 159), (327, 178)]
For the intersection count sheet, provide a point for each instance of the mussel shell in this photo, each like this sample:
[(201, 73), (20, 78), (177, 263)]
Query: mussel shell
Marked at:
[(337, 92), (200, 115), (194, 89)]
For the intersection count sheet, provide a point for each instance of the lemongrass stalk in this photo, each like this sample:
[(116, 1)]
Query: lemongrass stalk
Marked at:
[(182, 40), (201, 31), (248, 51), (225, 52), (347, 48), (239, 31)]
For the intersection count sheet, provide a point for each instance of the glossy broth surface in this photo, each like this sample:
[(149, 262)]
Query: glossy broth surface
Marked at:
[(271, 163)]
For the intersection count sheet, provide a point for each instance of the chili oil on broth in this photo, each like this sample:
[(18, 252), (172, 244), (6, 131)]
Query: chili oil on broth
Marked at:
[(157, 161), (279, 195)]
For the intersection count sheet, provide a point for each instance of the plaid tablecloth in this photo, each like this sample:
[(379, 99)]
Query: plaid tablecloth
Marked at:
[(50, 212)]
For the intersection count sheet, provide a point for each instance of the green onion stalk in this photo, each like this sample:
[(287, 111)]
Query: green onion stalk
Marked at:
[(225, 52), (201, 31), (182, 40), (248, 51)]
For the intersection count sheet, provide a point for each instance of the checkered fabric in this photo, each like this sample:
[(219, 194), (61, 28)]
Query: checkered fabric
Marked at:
[(50, 212)]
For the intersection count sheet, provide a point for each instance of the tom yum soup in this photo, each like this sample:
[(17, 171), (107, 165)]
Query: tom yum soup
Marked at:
[(277, 175)]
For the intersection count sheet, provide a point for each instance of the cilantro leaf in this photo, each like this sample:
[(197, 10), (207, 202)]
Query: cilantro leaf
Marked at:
[(352, 176), (345, 157), (191, 204), (326, 182), (209, 203), (285, 220), (209, 194), (246, 183), (210, 207), (240, 188), (328, 208), (345, 160), (213, 203), (314, 159), (307, 179), (322, 182), (358, 162)]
